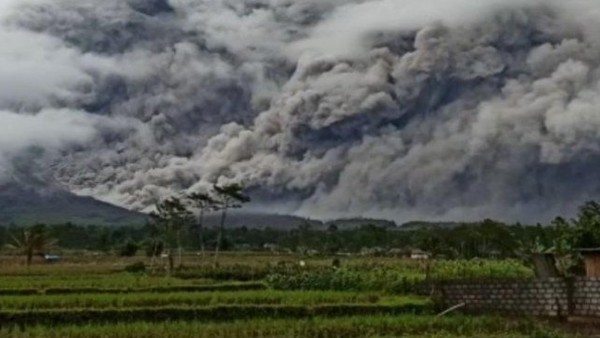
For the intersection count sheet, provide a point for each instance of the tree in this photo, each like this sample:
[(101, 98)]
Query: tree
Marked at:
[(129, 249), (587, 226), (32, 241), (171, 215), (154, 242), (103, 240), (227, 197), (202, 202), (332, 240)]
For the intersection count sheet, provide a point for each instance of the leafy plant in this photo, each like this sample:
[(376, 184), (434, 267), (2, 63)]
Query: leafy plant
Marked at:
[(32, 241), (129, 249)]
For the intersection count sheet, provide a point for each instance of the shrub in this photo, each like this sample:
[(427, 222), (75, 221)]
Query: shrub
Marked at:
[(235, 272), (138, 267), (154, 247), (129, 249), (345, 279)]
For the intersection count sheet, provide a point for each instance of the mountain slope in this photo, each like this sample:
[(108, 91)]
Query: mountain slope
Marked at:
[(29, 204), (24, 205), (240, 219)]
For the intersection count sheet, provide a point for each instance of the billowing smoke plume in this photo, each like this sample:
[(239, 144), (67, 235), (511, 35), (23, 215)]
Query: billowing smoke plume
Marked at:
[(437, 109)]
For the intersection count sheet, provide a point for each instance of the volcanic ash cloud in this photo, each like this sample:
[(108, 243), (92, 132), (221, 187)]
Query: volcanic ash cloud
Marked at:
[(400, 109)]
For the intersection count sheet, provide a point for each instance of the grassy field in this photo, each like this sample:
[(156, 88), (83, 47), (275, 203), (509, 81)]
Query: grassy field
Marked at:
[(352, 326), (246, 295)]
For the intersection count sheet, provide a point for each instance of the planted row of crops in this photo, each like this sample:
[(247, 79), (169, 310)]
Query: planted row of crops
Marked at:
[(353, 326), (370, 273), (363, 298), (393, 280), (209, 313), (235, 286), (267, 297), (400, 269), (83, 280)]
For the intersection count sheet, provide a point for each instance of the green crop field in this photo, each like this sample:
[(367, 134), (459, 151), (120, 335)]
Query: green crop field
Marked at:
[(246, 296)]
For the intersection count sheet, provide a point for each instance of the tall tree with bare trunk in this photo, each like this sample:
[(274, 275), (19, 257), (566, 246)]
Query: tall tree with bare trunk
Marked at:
[(203, 203), (227, 197), (171, 215)]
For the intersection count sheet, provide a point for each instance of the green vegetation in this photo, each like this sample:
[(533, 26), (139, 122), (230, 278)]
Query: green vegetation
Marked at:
[(31, 241), (299, 283), (149, 299), (173, 229), (356, 297), (352, 326), (73, 281), (170, 218)]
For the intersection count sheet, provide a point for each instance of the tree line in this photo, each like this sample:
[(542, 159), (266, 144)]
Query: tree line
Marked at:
[(172, 218), (177, 226)]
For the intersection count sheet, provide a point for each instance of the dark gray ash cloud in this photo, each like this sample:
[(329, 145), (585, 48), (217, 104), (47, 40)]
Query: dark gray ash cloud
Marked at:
[(438, 109)]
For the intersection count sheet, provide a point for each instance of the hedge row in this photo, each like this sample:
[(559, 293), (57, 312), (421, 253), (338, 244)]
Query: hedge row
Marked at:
[(242, 273), (347, 280), (183, 288), (214, 313)]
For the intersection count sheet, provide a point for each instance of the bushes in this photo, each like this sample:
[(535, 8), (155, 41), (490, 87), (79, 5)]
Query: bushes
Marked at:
[(129, 249), (331, 280), (400, 278), (243, 273), (478, 268), (138, 267), (235, 272), (345, 280)]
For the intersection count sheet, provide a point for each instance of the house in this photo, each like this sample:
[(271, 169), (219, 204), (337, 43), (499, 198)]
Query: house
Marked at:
[(51, 258), (374, 251), (271, 247), (419, 254), (399, 253), (312, 252), (591, 257)]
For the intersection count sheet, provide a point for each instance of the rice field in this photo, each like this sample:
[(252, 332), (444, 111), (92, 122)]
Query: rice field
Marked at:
[(151, 299), (352, 326), (242, 298)]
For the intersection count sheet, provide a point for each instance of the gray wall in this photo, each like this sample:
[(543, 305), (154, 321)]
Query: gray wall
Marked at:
[(540, 297)]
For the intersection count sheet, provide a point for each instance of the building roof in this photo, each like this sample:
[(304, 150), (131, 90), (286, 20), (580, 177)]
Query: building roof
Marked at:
[(588, 250)]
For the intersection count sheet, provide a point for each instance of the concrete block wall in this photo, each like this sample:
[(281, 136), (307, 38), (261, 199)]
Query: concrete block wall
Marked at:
[(586, 297), (548, 297)]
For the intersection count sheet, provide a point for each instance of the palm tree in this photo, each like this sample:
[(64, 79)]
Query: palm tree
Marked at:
[(227, 197), (202, 202), (32, 241)]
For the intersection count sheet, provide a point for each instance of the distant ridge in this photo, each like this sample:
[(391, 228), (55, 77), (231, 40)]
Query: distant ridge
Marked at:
[(424, 224), (240, 219), (26, 205), (23, 205), (351, 223)]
